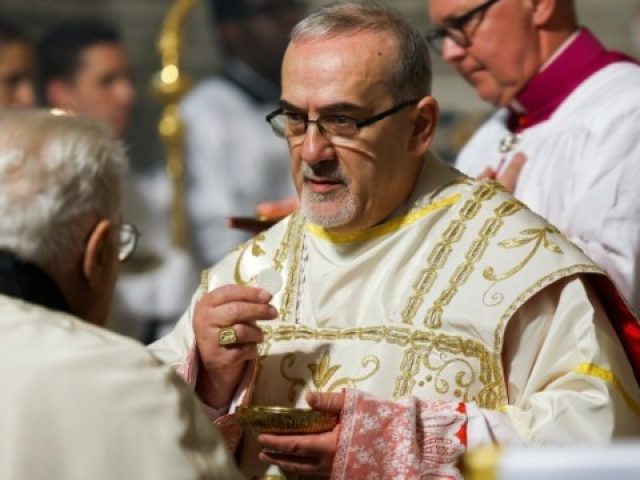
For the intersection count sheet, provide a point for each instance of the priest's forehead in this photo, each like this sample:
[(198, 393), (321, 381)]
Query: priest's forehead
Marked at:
[(347, 69)]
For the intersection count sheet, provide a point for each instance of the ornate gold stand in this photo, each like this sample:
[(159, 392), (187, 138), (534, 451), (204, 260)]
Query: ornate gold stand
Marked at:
[(169, 85)]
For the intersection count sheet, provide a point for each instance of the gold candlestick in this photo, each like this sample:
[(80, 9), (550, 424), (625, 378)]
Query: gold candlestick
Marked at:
[(169, 85)]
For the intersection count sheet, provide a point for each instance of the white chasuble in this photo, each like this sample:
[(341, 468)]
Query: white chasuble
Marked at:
[(417, 305), (79, 402)]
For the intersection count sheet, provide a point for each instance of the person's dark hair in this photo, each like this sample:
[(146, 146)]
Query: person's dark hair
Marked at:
[(61, 48), (11, 33), (229, 10)]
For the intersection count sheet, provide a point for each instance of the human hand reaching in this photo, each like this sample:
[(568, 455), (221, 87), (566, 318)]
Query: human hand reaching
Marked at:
[(308, 454)]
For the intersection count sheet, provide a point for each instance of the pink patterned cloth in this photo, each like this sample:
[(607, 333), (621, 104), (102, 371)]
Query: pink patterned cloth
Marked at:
[(403, 440), (188, 370)]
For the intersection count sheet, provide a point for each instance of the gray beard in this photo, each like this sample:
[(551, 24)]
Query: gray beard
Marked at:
[(345, 212), (346, 205)]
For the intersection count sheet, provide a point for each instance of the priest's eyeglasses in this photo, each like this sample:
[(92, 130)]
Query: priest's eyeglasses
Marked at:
[(128, 241), (457, 28), (292, 124)]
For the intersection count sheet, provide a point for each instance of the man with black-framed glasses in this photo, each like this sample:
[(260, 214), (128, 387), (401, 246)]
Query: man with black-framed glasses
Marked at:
[(565, 136), (419, 311)]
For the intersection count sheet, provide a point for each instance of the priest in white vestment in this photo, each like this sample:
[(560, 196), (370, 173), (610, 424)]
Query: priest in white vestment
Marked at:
[(568, 121), (432, 312), (79, 402)]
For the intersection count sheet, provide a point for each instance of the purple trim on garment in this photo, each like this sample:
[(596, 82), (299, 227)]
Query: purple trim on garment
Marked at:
[(548, 89)]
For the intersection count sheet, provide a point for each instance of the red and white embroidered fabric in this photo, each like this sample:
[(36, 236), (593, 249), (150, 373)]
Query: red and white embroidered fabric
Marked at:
[(403, 440)]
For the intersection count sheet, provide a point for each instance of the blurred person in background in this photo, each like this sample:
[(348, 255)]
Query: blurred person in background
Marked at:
[(635, 29), (78, 401), (85, 70), (17, 67), (565, 136), (232, 160)]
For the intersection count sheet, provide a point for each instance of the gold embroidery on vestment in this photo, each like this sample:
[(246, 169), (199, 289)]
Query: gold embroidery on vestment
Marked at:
[(442, 250), (464, 378), (296, 231), (291, 242), (256, 251), (460, 349), (539, 237), (536, 287), (322, 373), (453, 351), (204, 283), (491, 226), (283, 249)]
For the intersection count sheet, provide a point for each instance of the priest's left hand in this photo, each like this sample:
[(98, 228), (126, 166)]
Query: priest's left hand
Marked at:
[(310, 454)]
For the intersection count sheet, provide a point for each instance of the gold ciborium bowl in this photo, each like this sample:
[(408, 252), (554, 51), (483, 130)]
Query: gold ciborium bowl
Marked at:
[(284, 420)]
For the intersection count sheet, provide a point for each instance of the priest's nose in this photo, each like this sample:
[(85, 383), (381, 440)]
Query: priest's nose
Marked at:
[(316, 147)]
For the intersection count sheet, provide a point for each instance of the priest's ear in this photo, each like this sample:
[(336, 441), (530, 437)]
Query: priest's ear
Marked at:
[(424, 126), (100, 262)]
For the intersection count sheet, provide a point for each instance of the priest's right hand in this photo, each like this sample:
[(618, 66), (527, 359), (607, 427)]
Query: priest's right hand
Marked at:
[(222, 364)]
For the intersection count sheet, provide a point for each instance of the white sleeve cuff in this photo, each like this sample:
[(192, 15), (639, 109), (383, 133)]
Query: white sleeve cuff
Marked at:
[(489, 427)]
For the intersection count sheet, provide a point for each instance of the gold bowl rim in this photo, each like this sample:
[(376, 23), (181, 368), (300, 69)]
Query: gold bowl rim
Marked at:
[(275, 409), (260, 416)]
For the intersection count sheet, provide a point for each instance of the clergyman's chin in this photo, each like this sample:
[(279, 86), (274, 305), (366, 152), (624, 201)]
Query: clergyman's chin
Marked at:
[(328, 213)]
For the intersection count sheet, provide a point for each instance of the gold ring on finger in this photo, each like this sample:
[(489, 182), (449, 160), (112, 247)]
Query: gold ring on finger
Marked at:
[(227, 336)]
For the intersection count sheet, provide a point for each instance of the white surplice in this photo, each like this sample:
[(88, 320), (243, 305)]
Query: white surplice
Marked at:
[(464, 296), (233, 161), (78, 402), (582, 169)]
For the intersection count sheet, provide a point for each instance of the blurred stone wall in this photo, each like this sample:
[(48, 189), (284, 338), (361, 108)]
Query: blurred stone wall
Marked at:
[(140, 20)]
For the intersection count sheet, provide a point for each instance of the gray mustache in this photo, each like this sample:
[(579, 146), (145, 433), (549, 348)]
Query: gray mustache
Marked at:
[(328, 169)]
